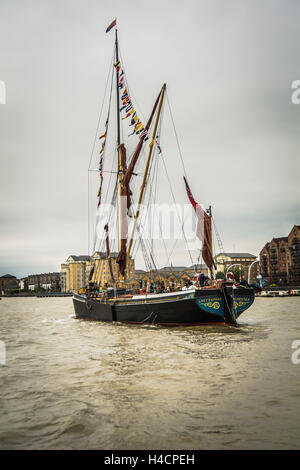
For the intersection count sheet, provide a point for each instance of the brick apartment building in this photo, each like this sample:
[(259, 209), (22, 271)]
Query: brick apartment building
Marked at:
[(280, 259), (47, 281)]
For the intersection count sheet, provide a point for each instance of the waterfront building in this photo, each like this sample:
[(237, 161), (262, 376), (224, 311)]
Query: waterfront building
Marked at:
[(75, 273), (280, 259), (64, 278), (101, 273), (46, 281), (176, 276), (8, 282), (224, 260), (23, 283)]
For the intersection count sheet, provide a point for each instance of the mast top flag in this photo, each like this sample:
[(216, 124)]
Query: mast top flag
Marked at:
[(114, 23)]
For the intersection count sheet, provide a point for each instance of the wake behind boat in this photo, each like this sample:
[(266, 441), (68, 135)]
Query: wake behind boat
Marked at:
[(215, 302)]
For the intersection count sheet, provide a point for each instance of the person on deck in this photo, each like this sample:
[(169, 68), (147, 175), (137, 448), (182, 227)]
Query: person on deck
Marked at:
[(244, 282), (202, 279)]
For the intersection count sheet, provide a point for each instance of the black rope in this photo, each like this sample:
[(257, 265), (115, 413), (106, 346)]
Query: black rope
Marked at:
[(94, 144), (175, 132), (100, 115), (182, 225)]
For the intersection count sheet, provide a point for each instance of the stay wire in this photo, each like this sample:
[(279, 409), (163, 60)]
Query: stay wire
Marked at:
[(110, 70), (176, 136)]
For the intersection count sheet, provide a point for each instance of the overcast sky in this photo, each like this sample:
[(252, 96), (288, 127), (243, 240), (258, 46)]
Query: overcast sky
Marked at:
[(229, 67)]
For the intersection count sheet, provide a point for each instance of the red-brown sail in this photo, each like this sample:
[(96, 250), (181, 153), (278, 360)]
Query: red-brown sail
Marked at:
[(204, 232), (207, 245)]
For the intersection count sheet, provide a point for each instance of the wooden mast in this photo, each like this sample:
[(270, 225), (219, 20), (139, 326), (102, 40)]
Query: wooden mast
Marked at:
[(210, 244), (146, 172), (117, 87), (120, 164)]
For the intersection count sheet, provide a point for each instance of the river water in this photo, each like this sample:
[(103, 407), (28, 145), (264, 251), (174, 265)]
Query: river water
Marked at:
[(74, 384)]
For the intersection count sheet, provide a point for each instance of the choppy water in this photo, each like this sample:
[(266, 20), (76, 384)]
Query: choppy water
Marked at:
[(73, 384)]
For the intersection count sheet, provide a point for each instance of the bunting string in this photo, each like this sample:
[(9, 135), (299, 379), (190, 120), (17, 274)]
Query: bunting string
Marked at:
[(101, 160), (127, 107)]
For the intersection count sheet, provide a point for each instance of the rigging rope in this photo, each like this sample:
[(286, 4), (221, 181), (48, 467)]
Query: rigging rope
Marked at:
[(185, 174), (221, 247), (182, 225), (175, 132), (100, 115), (94, 143), (152, 184)]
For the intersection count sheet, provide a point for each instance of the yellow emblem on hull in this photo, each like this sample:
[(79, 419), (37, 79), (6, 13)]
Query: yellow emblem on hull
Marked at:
[(215, 305)]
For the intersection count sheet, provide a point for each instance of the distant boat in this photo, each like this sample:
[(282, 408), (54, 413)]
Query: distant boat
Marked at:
[(277, 293), (219, 302), (54, 294)]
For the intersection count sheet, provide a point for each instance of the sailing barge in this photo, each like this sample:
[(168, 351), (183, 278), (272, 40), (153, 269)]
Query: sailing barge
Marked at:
[(219, 302)]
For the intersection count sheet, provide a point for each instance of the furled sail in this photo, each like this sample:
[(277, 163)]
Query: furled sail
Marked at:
[(108, 252), (204, 231)]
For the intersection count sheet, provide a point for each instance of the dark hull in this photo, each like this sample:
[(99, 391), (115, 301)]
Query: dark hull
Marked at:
[(190, 308)]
